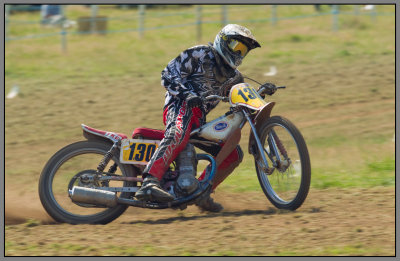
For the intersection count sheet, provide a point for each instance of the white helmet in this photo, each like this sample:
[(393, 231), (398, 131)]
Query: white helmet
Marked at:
[(233, 42)]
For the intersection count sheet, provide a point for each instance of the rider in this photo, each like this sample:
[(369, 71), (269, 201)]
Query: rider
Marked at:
[(196, 72)]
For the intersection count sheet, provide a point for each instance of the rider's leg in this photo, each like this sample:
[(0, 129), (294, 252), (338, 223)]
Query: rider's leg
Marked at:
[(179, 120)]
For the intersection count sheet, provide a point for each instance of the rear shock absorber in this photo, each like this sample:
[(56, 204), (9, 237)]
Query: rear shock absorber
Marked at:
[(106, 159)]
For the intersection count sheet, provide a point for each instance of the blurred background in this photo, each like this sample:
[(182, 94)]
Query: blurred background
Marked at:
[(100, 65)]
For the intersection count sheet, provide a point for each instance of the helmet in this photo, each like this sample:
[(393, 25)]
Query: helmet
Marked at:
[(233, 42)]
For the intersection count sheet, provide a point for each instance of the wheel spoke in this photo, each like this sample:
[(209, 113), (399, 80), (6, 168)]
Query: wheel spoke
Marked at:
[(75, 165), (76, 172), (281, 143)]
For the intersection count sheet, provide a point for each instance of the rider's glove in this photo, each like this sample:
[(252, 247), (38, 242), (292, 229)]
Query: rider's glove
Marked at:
[(193, 101), (269, 88)]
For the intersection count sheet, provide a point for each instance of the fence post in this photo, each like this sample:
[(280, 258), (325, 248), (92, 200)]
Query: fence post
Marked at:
[(93, 19), (335, 12), (63, 30), (356, 9), (273, 15), (198, 22), (142, 10), (224, 15), (7, 20), (373, 13)]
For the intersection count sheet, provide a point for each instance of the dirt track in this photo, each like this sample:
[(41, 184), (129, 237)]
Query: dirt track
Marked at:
[(331, 222)]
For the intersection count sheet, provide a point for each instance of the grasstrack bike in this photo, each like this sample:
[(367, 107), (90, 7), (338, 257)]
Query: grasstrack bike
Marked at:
[(94, 181)]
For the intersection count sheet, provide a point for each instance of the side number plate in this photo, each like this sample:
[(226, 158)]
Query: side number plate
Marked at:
[(137, 151)]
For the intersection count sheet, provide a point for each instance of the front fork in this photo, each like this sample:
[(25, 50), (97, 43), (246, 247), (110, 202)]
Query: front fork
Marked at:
[(265, 168), (274, 143)]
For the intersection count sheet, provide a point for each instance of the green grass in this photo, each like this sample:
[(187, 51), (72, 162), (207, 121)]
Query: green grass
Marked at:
[(380, 173), (32, 223), (340, 87), (346, 179)]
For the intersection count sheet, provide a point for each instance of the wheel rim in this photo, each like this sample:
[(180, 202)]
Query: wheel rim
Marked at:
[(284, 183), (62, 175)]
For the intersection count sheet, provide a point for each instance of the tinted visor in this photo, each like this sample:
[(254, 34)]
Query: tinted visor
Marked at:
[(237, 46)]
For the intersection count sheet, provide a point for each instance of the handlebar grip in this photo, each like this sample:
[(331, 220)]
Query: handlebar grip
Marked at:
[(261, 90)]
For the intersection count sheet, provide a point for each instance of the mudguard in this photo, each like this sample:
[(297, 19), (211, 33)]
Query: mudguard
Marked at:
[(91, 133), (261, 117), (112, 138)]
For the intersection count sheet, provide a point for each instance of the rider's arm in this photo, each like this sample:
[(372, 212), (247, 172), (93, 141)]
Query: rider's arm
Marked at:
[(174, 75), (237, 78)]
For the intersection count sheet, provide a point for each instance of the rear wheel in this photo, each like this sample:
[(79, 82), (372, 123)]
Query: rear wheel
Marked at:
[(287, 181), (65, 169)]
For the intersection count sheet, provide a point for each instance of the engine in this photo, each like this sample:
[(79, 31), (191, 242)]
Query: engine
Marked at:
[(187, 168)]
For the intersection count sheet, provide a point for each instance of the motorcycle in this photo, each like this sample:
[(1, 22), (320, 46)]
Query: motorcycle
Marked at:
[(75, 187)]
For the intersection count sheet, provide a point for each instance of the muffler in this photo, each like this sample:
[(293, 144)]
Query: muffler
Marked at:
[(93, 196)]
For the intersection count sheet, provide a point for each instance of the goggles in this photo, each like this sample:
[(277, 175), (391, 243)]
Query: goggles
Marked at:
[(237, 46)]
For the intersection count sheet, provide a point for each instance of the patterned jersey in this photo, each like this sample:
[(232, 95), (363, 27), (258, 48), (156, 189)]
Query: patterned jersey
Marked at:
[(199, 70)]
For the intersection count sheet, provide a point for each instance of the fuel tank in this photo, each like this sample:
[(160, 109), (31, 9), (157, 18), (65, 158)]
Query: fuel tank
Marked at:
[(219, 129)]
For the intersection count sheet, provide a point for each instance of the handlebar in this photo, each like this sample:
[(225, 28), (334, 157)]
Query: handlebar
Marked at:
[(262, 89), (226, 99)]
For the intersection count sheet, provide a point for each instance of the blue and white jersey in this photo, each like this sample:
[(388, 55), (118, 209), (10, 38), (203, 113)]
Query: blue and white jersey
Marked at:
[(199, 70)]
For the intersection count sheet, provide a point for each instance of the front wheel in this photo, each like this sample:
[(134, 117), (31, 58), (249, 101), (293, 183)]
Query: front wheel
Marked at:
[(287, 180), (64, 170)]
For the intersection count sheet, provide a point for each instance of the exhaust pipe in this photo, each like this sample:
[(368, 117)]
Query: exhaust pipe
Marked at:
[(93, 196)]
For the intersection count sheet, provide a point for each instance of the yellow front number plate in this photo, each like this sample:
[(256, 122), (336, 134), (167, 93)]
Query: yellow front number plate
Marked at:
[(137, 151), (243, 94)]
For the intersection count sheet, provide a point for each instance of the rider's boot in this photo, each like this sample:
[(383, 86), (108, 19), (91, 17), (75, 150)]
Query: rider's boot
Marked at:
[(152, 191), (208, 204)]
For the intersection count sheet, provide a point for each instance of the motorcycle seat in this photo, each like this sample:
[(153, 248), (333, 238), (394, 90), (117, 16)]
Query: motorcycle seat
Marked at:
[(147, 133)]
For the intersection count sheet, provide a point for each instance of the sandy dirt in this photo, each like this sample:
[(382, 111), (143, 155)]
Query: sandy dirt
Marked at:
[(331, 222)]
